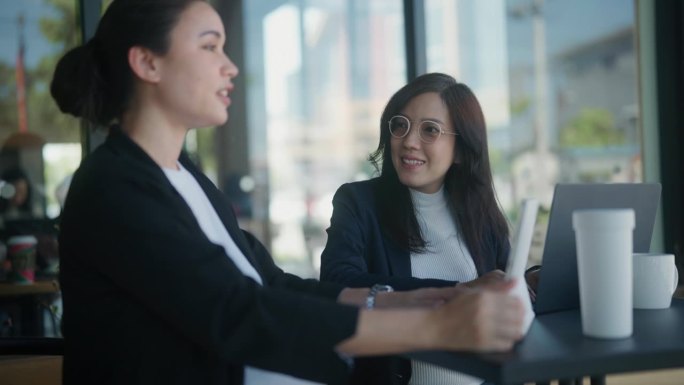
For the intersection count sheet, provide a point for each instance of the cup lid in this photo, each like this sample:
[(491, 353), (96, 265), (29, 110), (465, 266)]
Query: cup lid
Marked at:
[(19, 239), (654, 255), (611, 218)]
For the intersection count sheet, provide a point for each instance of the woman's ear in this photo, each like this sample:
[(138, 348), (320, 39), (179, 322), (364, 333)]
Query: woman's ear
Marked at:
[(144, 64)]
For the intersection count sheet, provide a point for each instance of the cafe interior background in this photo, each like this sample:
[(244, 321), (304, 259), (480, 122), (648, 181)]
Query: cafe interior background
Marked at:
[(579, 91)]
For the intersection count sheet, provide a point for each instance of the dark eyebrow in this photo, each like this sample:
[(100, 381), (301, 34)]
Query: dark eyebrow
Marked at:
[(422, 120), (433, 120), (211, 32)]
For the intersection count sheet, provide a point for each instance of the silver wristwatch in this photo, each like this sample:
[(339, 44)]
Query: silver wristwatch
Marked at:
[(374, 290)]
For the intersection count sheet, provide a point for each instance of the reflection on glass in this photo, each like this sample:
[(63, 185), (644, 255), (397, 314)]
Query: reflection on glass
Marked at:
[(558, 85), (39, 146), (320, 73), (35, 34), (60, 161)]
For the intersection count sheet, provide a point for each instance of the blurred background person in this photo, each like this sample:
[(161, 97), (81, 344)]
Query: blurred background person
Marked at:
[(15, 194)]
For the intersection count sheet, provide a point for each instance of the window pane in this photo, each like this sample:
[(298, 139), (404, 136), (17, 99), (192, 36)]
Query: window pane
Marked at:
[(40, 145), (320, 72), (558, 84)]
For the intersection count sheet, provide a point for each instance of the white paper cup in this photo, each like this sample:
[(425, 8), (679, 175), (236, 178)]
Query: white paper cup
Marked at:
[(604, 265), (655, 280)]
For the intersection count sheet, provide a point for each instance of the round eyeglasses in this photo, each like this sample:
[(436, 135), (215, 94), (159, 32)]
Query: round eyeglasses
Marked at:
[(428, 130)]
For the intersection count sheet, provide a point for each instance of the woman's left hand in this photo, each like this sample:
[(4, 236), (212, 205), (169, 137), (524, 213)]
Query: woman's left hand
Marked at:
[(427, 297), (489, 278), (532, 279)]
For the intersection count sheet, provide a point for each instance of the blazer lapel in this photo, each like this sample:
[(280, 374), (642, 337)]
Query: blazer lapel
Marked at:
[(399, 260), (218, 200), (223, 208)]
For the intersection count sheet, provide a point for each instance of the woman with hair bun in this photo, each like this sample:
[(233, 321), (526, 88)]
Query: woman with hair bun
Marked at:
[(159, 284)]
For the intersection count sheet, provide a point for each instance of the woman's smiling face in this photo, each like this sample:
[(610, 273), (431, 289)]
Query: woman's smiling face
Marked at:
[(422, 166)]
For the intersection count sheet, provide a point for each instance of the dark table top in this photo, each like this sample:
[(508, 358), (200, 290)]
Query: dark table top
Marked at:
[(555, 348)]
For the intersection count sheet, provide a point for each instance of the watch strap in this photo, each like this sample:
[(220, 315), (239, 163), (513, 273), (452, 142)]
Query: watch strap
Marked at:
[(372, 294)]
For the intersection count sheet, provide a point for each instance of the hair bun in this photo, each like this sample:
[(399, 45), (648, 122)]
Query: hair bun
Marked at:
[(70, 79)]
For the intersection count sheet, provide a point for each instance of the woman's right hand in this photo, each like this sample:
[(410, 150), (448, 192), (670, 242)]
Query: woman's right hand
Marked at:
[(487, 318), (482, 319)]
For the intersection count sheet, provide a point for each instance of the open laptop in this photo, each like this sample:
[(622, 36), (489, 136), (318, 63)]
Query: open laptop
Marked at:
[(558, 284)]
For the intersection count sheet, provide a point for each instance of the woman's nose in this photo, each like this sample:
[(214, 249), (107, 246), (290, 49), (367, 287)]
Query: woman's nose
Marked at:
[(412, 139), (229, 68)]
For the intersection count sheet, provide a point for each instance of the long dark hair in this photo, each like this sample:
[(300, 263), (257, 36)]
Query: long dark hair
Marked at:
[(94, 80), (468, 184)]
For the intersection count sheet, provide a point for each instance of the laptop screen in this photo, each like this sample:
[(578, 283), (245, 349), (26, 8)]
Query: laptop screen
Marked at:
[(558, 283)]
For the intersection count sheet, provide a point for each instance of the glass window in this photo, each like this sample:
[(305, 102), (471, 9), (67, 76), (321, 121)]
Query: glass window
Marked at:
[(35, 34), (319, 73), (557, 81), (39, 147)]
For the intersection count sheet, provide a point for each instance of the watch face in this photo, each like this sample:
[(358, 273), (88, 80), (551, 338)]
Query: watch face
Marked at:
[(382, 288)]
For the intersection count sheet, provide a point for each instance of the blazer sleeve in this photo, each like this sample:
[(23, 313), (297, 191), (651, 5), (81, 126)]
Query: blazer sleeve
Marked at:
[(137, 236), (355, 253), (276, 277)]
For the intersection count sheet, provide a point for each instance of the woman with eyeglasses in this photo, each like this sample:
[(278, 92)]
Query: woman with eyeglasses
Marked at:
[(430, 219)]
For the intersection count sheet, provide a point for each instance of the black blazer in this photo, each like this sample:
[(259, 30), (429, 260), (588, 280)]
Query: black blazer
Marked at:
[(358, 254), (148, 299)]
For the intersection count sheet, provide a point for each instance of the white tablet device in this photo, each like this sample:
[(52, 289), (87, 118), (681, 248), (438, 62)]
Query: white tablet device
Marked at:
[(522, 239), (517, 258)]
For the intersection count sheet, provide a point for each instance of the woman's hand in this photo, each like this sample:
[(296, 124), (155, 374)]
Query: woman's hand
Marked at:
[(486, 279), (483, 319), (487, 319), (532, 279), (427, 297)]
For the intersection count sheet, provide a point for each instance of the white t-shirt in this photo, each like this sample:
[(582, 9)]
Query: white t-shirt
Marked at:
[(214, 229)]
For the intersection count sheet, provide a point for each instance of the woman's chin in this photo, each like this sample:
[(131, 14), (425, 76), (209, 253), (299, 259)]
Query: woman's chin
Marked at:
[(216, 120), (223, 119)]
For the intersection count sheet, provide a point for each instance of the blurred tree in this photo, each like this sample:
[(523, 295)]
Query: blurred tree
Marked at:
[(593, 127), (520, 105), (8, 101), (44, 118)]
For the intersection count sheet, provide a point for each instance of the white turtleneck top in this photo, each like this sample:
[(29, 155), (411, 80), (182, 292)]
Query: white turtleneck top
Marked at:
[(446, 257)]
